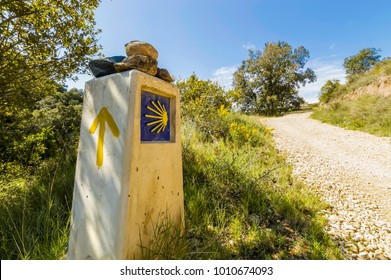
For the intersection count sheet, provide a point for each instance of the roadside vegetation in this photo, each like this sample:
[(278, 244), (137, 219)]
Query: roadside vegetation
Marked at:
[(36, 179), (366, 113), (267, 82), (342, 106), (241, 200)]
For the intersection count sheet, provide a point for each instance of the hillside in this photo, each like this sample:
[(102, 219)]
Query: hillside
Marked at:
[(364, 103), (381, 86), (375, 82)]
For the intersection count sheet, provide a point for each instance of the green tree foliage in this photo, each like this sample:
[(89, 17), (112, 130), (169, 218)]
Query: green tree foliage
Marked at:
[(42, 43), (200, 93), (51, 128), (329, 90), (363, 61), (204, 103), (267, 82), (37, 166)]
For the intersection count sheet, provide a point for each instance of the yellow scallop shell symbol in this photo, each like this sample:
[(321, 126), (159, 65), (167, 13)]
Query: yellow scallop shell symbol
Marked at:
[(161, 117)]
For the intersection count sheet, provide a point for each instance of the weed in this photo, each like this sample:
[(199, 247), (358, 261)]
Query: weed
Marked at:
[(35, 212), (367, 113), (241, 201)]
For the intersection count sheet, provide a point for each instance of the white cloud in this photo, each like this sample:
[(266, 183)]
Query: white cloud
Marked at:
[(332, 46), (248, 46), (224, 76), (324, 69)]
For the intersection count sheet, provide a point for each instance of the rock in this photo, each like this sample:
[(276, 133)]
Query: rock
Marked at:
[(141, 48), (357, 237), (363, 256), (164, 75), (140, 62), (104, 66), (379, 256), (372, 247), (333, 218), (348, 227), (353, 248)]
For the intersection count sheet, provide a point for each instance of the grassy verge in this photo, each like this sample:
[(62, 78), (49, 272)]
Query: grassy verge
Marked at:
[(367, 113), (35, 211), (242, 201)]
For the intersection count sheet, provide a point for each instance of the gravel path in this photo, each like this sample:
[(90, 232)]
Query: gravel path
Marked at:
[(351, 171)]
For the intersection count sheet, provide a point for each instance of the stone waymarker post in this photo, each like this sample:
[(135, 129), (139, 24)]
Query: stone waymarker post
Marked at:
[(129, 169)]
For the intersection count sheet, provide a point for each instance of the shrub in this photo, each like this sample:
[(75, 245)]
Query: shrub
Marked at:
[(36, 178), (205, 104), (330, 90), (367, 113)]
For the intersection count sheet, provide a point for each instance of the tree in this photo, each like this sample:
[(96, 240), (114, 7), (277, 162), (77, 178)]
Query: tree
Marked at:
[(361, 62), (329, 90), (207, 95), (42, 43), (267, 83), (204, 103), (51, 129)]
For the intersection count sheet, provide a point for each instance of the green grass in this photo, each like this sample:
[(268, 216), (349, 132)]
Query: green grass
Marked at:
[(367, 113), (35, 211), (241, 202)]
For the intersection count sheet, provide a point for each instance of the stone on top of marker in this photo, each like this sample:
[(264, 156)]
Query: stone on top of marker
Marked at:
[(140, 62), (141, 48), (140, 55), (164, 75), (104, 66)]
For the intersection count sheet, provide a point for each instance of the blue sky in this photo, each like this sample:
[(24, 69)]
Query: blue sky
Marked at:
[(212, 37)]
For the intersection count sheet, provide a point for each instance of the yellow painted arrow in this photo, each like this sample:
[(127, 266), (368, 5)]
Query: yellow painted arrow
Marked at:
[(101, 119)]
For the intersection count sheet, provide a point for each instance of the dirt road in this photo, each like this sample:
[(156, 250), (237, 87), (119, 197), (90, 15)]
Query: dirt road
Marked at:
[(351, 171)]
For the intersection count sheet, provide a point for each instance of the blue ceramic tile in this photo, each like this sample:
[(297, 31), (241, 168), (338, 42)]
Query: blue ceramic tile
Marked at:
[(155, 117)]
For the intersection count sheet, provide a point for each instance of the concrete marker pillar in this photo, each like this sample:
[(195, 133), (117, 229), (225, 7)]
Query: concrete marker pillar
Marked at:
[(129, 168)]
